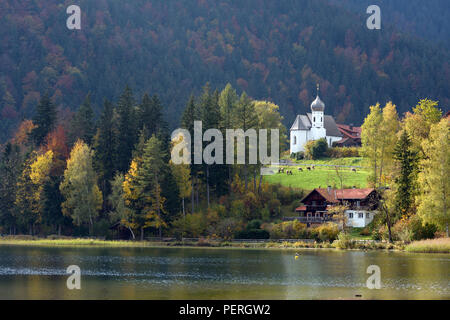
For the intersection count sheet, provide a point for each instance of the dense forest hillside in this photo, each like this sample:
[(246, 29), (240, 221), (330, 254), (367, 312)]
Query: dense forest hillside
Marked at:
[(410, 16), (274, 50)]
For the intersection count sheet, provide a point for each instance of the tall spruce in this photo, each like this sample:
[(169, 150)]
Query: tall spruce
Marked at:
[(210, 116), (126, 129), (246, 118), (191, 114), (44, 119), (405, 179), (83, 126), (105, 148)]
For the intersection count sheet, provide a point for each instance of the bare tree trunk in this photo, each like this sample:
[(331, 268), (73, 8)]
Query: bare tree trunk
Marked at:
[(184, 220), (196, 192), (132, 233), (142, 233), (192, 196), (260, 182), (207, 184), (388, 221), (246, 177)]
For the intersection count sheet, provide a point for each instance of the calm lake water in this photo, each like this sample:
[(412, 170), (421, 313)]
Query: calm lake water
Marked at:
[(193, 273)]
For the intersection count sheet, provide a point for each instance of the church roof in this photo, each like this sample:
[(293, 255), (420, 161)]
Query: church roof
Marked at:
[(317, 105), (303, 122)]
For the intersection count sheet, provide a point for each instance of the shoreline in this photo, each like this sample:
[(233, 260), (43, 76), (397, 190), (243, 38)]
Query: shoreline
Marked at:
[(414, 247)]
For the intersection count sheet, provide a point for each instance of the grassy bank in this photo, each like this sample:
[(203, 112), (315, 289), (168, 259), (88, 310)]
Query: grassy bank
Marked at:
[(205, 243), (75, 242), (426, 246), (441, 245)]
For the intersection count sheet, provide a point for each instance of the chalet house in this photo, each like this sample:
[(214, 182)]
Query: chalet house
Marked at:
[(351, 136), (361, 205)]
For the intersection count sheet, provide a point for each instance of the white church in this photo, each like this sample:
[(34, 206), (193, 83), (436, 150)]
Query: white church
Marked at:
[(313, 126)]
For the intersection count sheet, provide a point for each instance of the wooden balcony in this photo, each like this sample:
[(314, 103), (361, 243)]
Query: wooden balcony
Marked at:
[(309, 219)]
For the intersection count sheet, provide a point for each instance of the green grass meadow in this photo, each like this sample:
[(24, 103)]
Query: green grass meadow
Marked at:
[(322, 176)]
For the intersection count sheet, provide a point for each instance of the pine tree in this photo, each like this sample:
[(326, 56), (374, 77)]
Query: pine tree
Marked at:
[(210, 116), (228, 101), (10, 164), (105, 147), (246, 118), (182, 175), (406, 178), (142, 187), (44, 120), (126, 130), (149, 178), (190, 115), (83, 126), (119, 211), (150, 115), (53, 199)]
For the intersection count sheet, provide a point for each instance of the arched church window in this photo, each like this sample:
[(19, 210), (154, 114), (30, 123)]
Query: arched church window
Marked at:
[(295, 140), (314, 119)]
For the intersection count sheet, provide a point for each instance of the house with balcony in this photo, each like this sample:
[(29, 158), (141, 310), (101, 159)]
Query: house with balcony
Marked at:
[(361, 203)]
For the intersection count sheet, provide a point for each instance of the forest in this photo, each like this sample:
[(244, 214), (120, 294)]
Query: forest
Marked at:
[(80, 176), (273, 50)]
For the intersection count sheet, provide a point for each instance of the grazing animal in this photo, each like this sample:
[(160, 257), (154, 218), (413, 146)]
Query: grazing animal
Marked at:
[(300, 169), (312, 167), (353, 169), (309, 168)]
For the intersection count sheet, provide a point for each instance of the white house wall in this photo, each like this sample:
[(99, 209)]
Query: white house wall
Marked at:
[(357, 222)]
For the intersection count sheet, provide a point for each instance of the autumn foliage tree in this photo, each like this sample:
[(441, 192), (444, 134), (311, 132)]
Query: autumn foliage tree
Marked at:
[(82, 195)]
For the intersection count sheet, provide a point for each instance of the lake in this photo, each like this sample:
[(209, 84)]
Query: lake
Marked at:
[(216, 273)]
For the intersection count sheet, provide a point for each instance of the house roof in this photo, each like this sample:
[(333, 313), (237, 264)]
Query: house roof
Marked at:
[(349, 131), (303, 122), (335, 195)]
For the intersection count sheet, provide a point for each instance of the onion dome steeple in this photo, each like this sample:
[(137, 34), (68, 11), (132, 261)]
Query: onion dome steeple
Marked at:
[(317, 105)]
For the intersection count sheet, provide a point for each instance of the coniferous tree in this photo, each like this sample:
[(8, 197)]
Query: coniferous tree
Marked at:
[(246, 118), (105, 148), (44, 119), (188, 117), (10, 163), (83, 125), (210, 116), (126, 130), (142, 187), (228, 101), (405, 181), (51, 209)]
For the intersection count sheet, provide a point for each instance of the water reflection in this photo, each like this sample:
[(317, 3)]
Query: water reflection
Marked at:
[(197, 273)]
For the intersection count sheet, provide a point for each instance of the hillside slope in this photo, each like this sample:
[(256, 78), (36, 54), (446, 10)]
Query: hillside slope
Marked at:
[(276, 50)]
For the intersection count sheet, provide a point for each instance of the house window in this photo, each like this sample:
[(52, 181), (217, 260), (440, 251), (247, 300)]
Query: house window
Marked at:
[(360, 215), (350, 215), (367, 215), (358, 203), (320, 119), (295, 140), (314, 119), (314, 203)]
